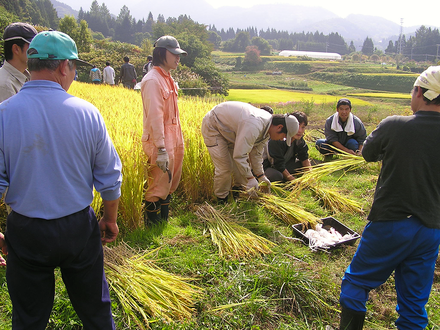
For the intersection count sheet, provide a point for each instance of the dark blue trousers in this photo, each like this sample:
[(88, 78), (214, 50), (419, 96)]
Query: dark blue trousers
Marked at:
[(327, 149), (35, 248), (406, 247)]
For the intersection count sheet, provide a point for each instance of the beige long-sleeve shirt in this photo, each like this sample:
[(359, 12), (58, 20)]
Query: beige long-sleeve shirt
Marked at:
[(245, 126), (11, 80)]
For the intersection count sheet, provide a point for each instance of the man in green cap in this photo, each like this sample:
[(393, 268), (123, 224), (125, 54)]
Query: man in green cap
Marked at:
[(55, 149)]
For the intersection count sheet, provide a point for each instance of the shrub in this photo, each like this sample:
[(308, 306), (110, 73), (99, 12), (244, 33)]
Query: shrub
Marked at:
[(190, 83), (293, 67), (217, 81)]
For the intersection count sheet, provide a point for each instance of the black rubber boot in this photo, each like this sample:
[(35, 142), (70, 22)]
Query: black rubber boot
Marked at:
[(351, 320), (328, 157), (151, 213), (223, 200), (165, 208), (236, 192)]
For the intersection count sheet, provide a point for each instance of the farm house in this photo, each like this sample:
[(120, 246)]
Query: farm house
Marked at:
[(318, 55)]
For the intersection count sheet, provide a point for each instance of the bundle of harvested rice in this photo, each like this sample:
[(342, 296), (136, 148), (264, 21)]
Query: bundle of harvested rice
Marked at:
[(286, 210), (233, 241), (145, 291), (348, 163), (334, 201)]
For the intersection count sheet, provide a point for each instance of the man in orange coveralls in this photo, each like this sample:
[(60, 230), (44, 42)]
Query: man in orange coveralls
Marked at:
[(162, 138)]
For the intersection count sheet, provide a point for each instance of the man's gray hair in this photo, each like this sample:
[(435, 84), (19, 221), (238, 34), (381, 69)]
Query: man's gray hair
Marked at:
[(36, 64)]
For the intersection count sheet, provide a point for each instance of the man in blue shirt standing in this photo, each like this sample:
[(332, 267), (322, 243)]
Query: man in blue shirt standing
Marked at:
[(54, 149)]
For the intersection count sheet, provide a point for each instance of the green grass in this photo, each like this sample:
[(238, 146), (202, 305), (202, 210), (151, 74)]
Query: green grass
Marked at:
[(292, 288)]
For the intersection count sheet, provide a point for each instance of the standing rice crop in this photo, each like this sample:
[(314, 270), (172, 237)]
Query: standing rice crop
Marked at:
[(122, 112), (196, 184), (124, 125)]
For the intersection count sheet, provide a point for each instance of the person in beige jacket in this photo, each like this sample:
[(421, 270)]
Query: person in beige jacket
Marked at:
[(162, 138), (13, 74), (235, 134)]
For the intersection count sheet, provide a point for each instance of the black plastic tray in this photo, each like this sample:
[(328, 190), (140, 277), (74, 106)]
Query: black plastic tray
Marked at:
[(300, 229)]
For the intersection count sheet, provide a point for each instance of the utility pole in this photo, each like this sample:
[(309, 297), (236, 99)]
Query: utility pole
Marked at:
[(401, 34), (436, 58), (399, 50)]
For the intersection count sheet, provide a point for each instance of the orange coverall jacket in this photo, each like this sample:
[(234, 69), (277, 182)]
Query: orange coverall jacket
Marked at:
[(162, 129)]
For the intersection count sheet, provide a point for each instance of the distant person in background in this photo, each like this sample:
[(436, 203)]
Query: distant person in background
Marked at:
[(343, 130), (108, 74), (280, 161), (162, 138), (95, 75), (14, 73), (128, 74), (147, 67)]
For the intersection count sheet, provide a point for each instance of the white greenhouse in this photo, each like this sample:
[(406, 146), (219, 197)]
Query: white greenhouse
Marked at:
[(319, 55)]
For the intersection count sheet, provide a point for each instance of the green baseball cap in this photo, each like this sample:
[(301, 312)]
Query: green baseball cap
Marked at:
[(54, 45), (171, 44)]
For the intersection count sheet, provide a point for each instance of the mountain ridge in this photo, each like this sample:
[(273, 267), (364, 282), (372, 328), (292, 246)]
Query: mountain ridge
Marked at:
[(281, 17)]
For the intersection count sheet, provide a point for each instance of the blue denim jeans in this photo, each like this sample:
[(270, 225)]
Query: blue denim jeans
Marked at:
[(406, 247)]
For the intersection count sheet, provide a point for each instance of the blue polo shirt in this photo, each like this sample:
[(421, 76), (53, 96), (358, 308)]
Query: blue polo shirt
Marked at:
[(54, 148)]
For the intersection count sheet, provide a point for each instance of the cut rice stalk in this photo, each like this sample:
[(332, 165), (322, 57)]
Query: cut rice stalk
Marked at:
[(334, 201), (287, 211), (233, 241), (317, 172), (144, 290)]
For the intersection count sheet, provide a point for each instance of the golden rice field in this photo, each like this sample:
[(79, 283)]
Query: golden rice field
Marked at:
[(276, 96), (283, 59), (415, 75), (403, 96), (122, 112)]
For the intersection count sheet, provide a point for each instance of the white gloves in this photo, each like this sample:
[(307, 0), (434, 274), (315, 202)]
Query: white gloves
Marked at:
[(253, 185), (162, 159), (264, 184)]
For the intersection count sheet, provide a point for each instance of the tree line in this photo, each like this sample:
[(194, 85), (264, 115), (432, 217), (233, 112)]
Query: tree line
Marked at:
[(37, 12), (424, 45)]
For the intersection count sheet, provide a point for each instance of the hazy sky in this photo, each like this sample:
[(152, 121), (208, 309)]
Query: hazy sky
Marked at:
[(412, 12)]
